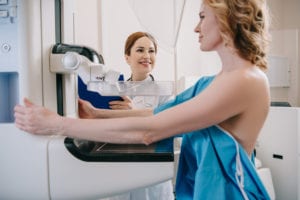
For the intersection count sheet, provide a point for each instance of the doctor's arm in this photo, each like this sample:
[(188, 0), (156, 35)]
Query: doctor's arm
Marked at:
[(125, 104), (88, 111)]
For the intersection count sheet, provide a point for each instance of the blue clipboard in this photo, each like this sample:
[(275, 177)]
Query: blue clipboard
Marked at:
[(95, 98)]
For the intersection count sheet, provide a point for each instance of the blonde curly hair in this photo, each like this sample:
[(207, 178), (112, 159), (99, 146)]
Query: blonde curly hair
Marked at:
[(244, 25)]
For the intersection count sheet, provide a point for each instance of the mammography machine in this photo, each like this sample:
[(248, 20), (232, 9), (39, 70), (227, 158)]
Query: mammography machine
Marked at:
[(56, 167)]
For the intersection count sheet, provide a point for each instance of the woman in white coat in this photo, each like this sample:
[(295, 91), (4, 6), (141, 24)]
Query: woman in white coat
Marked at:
[(140, 54)]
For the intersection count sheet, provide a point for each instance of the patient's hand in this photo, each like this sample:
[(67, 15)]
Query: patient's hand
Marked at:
[(86, 109), (126, 104), (36, 119)]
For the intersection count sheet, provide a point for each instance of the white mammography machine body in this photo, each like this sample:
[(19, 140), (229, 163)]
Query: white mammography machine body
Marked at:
[(56, 167)]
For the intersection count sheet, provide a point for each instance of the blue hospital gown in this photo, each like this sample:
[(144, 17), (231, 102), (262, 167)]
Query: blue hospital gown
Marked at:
[(212, 164)]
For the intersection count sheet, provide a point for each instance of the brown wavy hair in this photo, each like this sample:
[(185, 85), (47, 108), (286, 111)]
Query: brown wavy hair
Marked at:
[(244, 25), (134, 37)]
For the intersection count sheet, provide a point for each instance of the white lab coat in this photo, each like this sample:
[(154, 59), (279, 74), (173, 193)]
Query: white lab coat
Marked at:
[(161, 191)]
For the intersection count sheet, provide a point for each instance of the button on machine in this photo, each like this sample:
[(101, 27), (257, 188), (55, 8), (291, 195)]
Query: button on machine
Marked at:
[(3, 13), (3, 2), (8, 60), (8, 11), (5, 48)]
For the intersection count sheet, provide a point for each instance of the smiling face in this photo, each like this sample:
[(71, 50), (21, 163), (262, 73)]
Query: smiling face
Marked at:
[(141, 58), (208, 30)]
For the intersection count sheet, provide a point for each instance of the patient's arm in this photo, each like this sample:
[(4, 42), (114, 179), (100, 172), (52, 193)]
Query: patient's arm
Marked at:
[(88, 111)]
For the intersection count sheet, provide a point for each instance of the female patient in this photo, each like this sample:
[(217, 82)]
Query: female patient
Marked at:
[(220, 117)]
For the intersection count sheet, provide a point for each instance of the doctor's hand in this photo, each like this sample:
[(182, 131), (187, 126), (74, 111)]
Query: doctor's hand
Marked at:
[(86, 109), (126, 104), (37, 119)]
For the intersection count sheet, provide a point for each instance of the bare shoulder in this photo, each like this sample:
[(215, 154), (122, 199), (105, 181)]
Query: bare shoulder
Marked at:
[(250, 85), (255, 75), (249, 76), (247, 82), (257, 84)]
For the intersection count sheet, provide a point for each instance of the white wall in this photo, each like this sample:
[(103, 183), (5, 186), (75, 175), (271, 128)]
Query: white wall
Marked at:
[(284, 45), (285, 28), (87, 19)]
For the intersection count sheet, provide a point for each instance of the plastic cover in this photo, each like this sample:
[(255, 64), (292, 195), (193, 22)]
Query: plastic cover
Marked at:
[(132, 88)]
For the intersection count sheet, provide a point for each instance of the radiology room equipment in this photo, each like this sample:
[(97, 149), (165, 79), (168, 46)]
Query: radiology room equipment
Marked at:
[(38, 60), (278, 147)]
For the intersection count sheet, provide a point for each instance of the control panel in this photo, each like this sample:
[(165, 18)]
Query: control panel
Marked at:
[(9, 75), (9, 36)]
